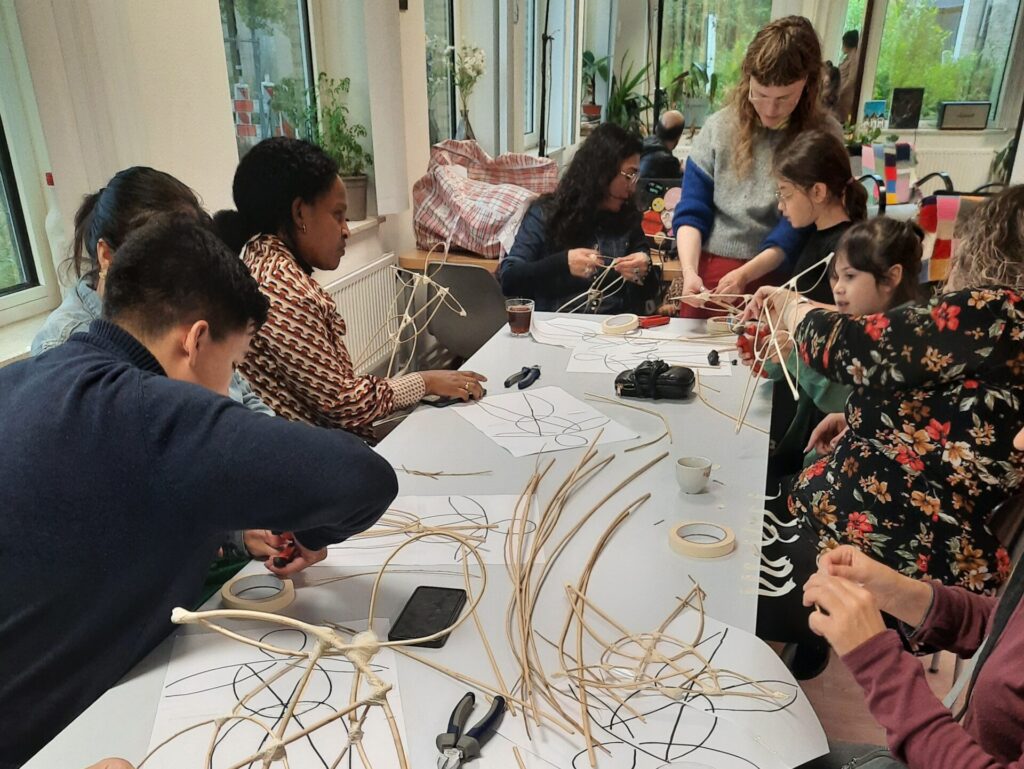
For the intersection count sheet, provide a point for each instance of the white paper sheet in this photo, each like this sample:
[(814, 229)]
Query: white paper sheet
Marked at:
[(541, 419), (208, 674), (473, 514), (612, 354), (563, 331)]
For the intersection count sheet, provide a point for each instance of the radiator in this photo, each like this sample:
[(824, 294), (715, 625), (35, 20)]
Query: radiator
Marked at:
[(968, 168), (366, 300)]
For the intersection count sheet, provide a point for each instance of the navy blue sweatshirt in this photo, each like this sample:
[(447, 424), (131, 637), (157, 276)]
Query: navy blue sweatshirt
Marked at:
[(116, 486)]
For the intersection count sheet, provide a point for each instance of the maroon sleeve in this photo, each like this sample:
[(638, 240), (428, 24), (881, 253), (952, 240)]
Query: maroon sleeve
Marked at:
[(958, 620), (920, 731)]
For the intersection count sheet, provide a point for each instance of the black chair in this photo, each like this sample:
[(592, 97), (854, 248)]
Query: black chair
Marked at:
[(479, 293), (879, 183)]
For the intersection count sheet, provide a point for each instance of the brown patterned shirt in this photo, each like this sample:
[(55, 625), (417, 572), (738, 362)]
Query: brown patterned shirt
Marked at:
[(298, 362)]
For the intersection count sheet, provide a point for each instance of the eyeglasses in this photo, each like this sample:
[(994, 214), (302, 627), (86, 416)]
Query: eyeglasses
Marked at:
[(631, 176), (782, 197)]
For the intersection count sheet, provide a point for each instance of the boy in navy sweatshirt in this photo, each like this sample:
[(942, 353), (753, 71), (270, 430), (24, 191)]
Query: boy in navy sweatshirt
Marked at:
[(117, 483)]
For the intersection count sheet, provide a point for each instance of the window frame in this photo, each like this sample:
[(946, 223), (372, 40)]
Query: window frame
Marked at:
[(24, 148), (1009, 101), (19, 227)]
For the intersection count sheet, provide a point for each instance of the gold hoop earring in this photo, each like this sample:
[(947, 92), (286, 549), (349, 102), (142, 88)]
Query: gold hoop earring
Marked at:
[(303, 228)]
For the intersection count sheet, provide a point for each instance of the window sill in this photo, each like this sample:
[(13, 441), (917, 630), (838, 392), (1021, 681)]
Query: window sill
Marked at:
[(933, 131), (16, 337)]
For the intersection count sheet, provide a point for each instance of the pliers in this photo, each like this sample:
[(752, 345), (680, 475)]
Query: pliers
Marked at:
[(526, 376), (456, 748)]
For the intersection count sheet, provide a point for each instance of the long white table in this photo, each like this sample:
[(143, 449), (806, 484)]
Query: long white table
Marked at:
[(637, 578)]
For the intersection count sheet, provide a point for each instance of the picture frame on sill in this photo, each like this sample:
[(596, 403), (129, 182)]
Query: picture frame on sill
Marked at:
[(905, 109)]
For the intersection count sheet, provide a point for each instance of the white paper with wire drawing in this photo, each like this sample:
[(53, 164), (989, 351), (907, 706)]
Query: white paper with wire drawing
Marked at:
[(541, 419), (209, 674), (483, 519), (612, 354), (563, 331)]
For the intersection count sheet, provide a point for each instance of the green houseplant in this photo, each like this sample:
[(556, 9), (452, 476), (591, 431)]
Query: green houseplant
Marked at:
[(694, 90), (627, 103), (592, 69), (333, 131)]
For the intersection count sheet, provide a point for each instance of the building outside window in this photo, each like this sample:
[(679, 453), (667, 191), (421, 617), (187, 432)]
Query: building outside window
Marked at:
[(270, 73), (957, 50), (17, 269)]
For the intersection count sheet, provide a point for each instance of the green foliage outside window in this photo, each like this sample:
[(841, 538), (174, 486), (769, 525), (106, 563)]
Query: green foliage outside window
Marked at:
[(10, 270)]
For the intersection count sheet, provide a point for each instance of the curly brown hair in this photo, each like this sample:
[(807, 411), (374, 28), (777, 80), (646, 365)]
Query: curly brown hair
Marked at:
[(781, 53), (990, 251)]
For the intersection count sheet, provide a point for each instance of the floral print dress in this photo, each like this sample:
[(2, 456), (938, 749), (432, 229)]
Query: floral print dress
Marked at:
[(929, 452)]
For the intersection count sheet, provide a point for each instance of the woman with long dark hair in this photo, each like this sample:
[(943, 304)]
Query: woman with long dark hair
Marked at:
[(587, 234)]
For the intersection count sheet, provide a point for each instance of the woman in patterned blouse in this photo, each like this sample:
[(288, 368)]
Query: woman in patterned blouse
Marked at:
[(937, 401), (291, 220)]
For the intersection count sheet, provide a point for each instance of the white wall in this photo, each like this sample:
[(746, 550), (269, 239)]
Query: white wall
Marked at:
[(121, 84)]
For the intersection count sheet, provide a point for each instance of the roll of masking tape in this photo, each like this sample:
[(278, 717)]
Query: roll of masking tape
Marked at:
[(720, 325), (257, 592), (621, 324), (702, 540)]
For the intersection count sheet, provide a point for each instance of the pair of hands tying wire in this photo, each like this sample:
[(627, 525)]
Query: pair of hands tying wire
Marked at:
[(850, 591), (585, 262)]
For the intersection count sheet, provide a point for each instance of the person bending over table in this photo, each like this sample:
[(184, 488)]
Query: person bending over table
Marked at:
[(587, 235), (123, 465), (729, 234), (852, 590), (103, 221), (290, 221)]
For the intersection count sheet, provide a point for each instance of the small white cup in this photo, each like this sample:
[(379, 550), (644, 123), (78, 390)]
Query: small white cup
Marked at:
[(693, 474)]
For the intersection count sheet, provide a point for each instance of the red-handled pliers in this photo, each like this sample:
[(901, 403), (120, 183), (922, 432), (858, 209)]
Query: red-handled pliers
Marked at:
[(651, 321)]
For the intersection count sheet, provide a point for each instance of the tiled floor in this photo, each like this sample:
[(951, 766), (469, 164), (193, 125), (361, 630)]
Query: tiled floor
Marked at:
[(839, 701)]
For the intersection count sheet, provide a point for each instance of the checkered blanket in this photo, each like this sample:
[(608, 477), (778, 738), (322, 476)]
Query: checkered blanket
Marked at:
[(474, 202)]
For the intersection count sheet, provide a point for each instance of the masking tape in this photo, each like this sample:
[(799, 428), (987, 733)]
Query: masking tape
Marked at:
[(720, 325), (702, 540), (269, 593), (621, 324)]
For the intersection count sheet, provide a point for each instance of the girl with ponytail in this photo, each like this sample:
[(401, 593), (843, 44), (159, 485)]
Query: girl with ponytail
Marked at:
[(816, 188)]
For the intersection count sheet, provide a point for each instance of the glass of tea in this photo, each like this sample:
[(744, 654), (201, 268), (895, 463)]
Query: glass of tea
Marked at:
[(520, 311)]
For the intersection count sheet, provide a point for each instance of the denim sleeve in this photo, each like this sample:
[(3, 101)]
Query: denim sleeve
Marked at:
[(241, 391), (530, 269)]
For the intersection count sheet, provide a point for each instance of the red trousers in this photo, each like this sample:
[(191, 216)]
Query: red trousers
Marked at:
[(712, 269)]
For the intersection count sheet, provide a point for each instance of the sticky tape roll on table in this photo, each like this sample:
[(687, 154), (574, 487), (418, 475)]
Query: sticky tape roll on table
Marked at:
[(621, 324), (257, 592), (702, 540)]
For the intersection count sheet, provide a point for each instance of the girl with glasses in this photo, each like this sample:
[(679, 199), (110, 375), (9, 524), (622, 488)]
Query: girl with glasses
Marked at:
[(730, 236)]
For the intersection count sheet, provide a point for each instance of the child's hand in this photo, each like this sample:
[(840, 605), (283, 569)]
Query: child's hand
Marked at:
[(825, 437)]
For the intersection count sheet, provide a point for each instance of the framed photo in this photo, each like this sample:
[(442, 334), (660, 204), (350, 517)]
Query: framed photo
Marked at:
[(874, 109), (906, 107)]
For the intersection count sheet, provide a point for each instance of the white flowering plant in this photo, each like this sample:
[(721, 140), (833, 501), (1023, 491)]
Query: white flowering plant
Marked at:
[(470, 65)]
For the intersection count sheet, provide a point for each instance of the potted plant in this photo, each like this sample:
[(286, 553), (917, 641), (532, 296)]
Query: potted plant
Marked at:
[(592, 68), (855, 137), (626, 102), (332, 132), (696, 90)]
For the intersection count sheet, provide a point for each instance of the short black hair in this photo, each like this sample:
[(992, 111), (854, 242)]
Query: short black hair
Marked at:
[(267, 181), (851, 39), (172, 271)]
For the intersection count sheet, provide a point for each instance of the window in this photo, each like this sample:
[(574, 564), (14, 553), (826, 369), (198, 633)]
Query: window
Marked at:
[(530, 62), (713, 34), (269, 68), (17, 269), (440, 27), (957, 50)]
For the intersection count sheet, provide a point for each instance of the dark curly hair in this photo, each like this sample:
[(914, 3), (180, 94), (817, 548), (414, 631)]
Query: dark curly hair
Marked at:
[(571, 211), (129, 199), (268, 180), (174, 270)]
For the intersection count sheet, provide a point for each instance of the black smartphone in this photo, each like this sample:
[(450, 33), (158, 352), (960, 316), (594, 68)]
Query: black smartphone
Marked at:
[(428, 611), (440, 402)]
